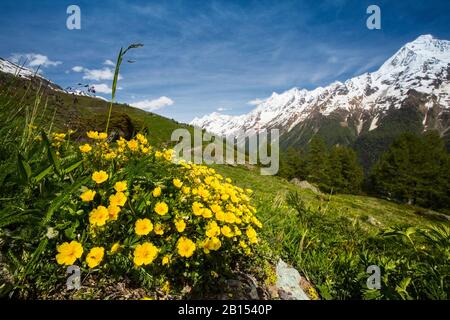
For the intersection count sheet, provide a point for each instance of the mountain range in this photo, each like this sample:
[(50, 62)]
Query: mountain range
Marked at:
[(409, 92)]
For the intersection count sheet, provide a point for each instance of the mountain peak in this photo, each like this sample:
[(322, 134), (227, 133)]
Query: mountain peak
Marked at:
[(420, 66), (429, 45)]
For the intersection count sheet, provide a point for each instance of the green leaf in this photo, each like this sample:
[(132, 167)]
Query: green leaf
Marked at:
[(72, 167), (24, 168), (42, 174), (51, 153), (58, 201)]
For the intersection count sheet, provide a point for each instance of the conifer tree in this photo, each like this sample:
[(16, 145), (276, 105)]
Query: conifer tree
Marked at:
[(317, 163)]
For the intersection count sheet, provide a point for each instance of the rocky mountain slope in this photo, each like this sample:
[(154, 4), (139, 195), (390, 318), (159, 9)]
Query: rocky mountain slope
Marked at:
[(409, 92)]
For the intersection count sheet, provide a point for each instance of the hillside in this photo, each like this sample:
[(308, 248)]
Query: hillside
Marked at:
[(77, 110), (409, 92)]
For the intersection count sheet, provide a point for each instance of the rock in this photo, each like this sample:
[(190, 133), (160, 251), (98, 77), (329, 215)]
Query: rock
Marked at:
[(305, 185), (373, 221), (288, 283), (433, 215)]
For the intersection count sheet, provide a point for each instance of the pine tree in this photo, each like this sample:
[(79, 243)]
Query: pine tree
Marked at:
[(346, 174), (292, 164), (415, 170), (317, 163)]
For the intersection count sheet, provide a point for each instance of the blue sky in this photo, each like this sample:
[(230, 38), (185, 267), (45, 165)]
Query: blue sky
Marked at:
[(205, 56)]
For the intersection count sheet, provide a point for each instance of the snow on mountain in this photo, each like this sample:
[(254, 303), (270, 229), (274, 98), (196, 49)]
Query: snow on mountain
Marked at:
[(422, 65), (26, 73), (14, 69)]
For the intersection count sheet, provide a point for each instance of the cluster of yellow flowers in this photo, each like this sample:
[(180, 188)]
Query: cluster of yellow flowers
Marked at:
[(194, 211), (58, 139), (121, 152)]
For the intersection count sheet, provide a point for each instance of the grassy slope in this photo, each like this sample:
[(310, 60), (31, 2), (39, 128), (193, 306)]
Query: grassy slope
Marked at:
[(80, 113), (272, 188)]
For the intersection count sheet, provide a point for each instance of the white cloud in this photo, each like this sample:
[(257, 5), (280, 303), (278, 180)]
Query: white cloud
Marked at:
[(151, 105), (99, 74), (220, 109), (77, 69), (109, 63), (34, 60), (256, 102), (102, 88)]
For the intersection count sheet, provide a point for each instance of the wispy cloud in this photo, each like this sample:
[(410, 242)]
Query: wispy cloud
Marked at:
[(34, 60), (96, 74), (102, 88), (255, 102), (152, 105), (109, 63)]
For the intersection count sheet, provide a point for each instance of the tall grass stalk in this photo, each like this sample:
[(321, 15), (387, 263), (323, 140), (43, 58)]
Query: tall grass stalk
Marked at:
[(116, 78)]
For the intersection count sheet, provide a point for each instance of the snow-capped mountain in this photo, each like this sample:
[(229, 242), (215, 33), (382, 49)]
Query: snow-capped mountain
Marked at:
[(417, 76), (29, 74)]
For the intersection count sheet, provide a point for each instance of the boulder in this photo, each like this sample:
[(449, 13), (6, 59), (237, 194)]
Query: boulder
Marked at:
[(288, 283), (305, 185)]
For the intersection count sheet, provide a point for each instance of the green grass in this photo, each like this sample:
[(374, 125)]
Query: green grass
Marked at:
[(329, 239), (81, 113), (270, 188)]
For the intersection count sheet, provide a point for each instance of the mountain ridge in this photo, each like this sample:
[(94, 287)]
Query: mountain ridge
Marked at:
[(414, 82)]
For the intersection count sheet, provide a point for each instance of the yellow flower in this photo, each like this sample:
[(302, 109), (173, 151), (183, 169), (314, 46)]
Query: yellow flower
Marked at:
[(120, 186), (161, 208), (99, 176), (115, 247), (206, 213), (68, 253), (180, 225), (177, 183), (186, 190), (251, 234), (168, 154), (144, 254), (212, 244), (256, 222), (113, 212), (185, 247), (141, 138), (88, 195), (133, 145), (92, 134), (242, 244), (95, 256), (156, 192), (109, 155), (229, 217), (165, 260), (158, 154), (197, 208), (216, 208), (102, 135), (85, 148), (119, 199), (226, 231), (99, 216), (143, 227), (212, 229), (159, 229), (220, 216)]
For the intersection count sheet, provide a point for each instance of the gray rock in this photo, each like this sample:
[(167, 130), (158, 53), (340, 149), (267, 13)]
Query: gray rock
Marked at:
[(288, 283), (373, 221), (305, 185)]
